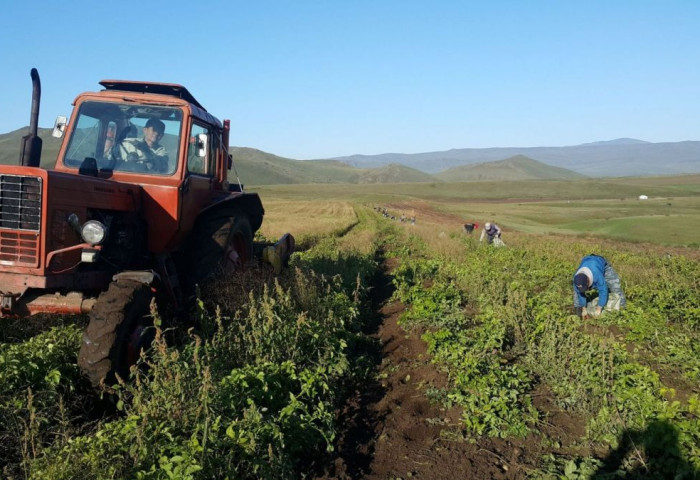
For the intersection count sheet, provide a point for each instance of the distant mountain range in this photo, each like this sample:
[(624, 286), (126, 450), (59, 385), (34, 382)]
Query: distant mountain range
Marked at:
[(615, 158), (259, 168), (621, 157)]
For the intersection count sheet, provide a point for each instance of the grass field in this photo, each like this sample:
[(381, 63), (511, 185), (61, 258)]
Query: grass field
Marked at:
[(308, 219), (607, 208)]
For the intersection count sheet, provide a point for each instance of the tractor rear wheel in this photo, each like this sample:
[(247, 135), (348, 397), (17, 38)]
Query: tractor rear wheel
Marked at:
[(120, 327), (220, 242)]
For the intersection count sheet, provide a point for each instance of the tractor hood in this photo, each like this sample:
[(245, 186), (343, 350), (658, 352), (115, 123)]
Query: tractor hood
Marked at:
[(40, 215)]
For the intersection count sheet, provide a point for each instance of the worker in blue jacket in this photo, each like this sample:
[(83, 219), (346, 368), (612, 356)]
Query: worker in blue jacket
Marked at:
[(595, 273)]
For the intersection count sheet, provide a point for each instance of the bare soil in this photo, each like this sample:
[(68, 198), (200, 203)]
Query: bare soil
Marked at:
[(391, 430)]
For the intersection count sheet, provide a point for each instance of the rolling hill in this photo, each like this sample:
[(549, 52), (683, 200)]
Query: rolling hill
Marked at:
[(394, 173), (518, 167), (260, 168), (11, 144), (615, 158), (256, 167)]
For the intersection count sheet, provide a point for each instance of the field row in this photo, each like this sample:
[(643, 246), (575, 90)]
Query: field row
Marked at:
[(500, 323)]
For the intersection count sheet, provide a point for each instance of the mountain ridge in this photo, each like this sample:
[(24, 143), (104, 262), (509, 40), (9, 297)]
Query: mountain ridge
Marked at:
[(518, 167), (614, 158)]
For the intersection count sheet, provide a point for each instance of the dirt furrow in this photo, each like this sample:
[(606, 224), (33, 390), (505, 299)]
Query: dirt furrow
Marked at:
[(389, 427)]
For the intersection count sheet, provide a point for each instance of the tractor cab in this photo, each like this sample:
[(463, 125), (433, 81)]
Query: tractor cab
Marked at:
[(153, 129)]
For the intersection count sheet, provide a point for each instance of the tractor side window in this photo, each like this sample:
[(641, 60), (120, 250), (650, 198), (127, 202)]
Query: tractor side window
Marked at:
[(215, 149), (199, 156)]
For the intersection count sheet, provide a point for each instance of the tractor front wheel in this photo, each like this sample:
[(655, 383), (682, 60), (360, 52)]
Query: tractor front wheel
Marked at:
[(120, 328)]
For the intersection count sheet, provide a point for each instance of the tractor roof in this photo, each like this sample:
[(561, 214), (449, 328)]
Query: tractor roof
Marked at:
[(171, 89)]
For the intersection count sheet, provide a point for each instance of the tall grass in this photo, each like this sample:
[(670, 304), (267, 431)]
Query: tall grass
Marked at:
[(252, 398), (249, 391)]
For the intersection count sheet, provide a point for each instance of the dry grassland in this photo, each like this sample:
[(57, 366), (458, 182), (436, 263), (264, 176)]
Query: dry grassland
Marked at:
[(306, 218)]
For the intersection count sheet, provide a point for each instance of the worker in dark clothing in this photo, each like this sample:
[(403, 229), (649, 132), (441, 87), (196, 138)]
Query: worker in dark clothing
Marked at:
[(470, 227), (595, 273)]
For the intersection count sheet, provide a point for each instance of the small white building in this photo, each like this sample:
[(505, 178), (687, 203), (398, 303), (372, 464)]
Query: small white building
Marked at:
[(643, 197)]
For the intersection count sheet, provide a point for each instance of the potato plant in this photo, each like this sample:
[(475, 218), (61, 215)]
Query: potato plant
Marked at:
[(500, 321)]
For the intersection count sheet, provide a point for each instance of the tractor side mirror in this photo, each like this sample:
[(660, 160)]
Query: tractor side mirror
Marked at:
[(202, 144), (59, 126)]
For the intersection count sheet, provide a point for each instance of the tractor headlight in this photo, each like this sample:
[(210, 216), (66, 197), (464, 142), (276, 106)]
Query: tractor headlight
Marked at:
[(93, 232)]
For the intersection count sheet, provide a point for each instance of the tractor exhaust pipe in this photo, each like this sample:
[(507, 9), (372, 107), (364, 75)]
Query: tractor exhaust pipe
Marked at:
[(30, 155)]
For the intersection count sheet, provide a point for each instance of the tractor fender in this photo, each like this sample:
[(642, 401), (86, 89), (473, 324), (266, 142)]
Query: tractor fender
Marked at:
[(248, 203)]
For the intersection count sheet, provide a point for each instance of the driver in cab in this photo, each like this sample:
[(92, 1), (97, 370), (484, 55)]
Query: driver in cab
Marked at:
[(146, 152)]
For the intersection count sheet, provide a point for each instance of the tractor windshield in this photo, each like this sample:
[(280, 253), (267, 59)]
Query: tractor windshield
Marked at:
[(125, 137)]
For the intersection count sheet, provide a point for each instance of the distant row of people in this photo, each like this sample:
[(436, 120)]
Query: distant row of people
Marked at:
[(402, 218)]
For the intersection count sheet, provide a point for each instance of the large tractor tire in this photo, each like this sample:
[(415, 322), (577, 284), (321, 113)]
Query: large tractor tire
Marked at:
[(120, 327), (220, 242)]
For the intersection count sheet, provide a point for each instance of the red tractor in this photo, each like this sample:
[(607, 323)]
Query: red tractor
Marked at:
[(137, 207)]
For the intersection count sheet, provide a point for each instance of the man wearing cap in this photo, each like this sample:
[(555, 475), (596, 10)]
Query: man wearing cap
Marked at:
[(146, 153), (594, 272), (493, 232)]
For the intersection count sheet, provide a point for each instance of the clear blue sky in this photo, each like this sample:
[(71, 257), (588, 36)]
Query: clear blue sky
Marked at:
[(312, 79)]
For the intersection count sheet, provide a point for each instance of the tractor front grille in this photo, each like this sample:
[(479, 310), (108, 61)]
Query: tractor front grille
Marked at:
[(17, 248), (20, 219), (20, 202)]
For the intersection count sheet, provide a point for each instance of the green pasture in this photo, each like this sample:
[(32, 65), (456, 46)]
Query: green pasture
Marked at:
[(607, 208), (665, 221), (530, 190)]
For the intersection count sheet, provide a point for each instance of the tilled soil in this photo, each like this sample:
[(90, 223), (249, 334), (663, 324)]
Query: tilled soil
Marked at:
[(391, 430)]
